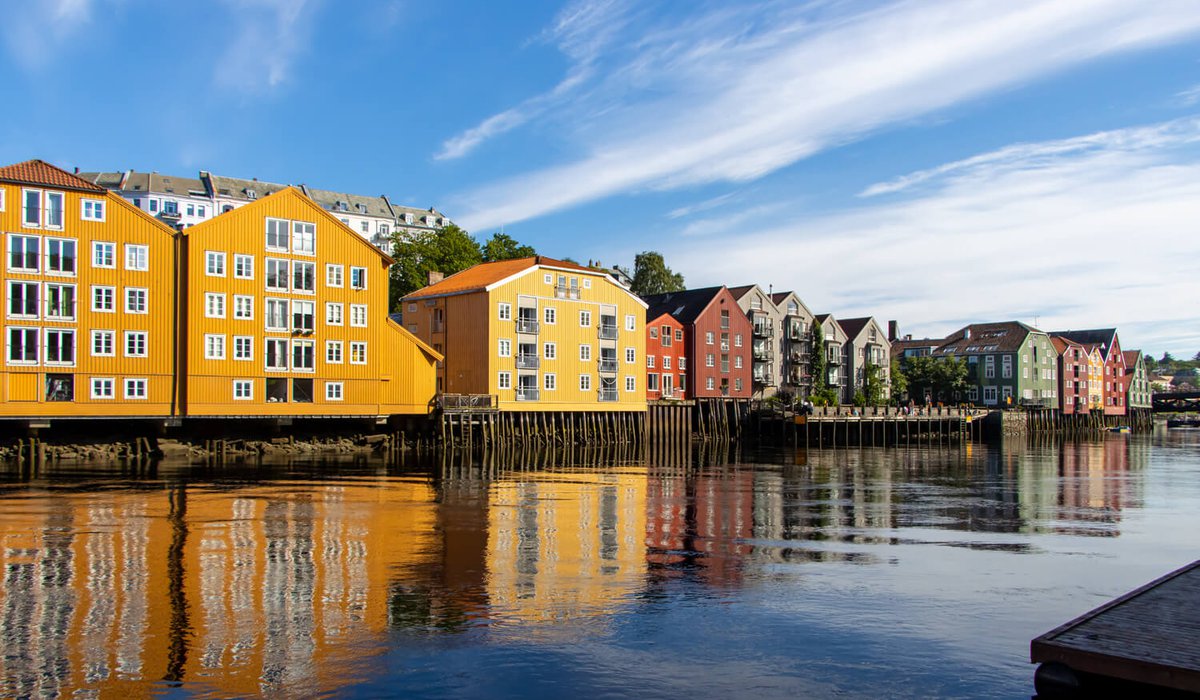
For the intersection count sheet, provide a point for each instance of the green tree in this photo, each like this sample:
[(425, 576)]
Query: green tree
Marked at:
[(817, 363), (872, 385), (446, 250), (501, 246), (652, 276), (899, 379), (941, 376)]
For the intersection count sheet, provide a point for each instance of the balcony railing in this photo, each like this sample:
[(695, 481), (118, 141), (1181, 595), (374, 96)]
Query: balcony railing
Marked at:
[(799, 333), (527, 394), (762, 354), (527, 325), (562, 291), (764, 330), (608, 332), (608, 366), (527, 362), (764, 378), (835, 358), (607, 394), (798, 355)]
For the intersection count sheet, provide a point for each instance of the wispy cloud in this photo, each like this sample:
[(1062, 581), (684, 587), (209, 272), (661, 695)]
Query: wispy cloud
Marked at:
[(267, 37), (36, 31), (1089, 231), (1188, 97), (731, 96)]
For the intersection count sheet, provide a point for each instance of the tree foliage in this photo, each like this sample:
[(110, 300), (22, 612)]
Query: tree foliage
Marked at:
[(941, 376), (899, 379), (822, 393), (872, 385), (446, 250), (501, 246), (652, 276)]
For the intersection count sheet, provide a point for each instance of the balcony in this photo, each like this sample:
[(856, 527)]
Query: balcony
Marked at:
[(608, 332), (527, 394), (528, 362), (608, 366), (799, 333), (607, 395), (798, 378), (764, 329), (798, 354), (562, 291), (527, 325), (834, 358), (762, 353), (763, 378)]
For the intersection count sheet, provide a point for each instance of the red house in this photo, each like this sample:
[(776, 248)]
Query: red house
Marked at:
[(717, 340), (666, 359), (1072, 375), (1114, 364)]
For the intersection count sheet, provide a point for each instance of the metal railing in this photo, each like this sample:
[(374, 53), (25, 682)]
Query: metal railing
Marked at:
[(527, 325), (461, 402), (609, 332), (562, 291), (764, 330), (528, 362), (607, 394), (527, 394), (608, 366), (762, 354)]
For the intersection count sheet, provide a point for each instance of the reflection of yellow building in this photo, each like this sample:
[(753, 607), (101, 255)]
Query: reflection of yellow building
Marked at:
[(565, 545), (256, 593)]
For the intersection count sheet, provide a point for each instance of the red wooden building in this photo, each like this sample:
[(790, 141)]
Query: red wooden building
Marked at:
[(666, 359), (717, 340), (1114, 364), (1072, 375)]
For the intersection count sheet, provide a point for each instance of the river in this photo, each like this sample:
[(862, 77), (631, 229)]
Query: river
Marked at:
[(837, 573)]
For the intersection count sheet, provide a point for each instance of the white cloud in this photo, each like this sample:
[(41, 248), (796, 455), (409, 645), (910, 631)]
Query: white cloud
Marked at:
[(267, 37), (36, 31), (1087, 232), (1188, 97), (731, 96)]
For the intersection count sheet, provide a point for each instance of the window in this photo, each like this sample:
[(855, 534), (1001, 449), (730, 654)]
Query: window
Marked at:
[(678, 336), (191, 209), (1006, 367), (585, 319), (505, 348), (60, 302), (650, 361), (243, 307), (277, 235), (153, 205), (302, 355), (366, 226), (708, 338), (737, 362), (276, 354), (682, 363), (710, 360), (630, 322), (737, 340), (304, 277), (333, 391), (277, 314), (654, 333), (214, 305), (333, 275), (60, 256), (666, 363), (137, 257), (102, 387), (243, 390), (200, 210), (214, 263), (135, 343), (135, 388), (585, 352), (358, 353), (23, 345), (103, 343), (243, 267), (358, 315), (989, 394), (304, 238), (989, 369), (550, 382), (303, 313), (737, 385), (24, 253), (548, 278), (550, 351), (708, 383), (358, 277), (333, 352), (104, 254), (504, 380), (585, 382), (630, 383), (630, 355), (23, 299), (277, 275), (60, 346), (333, 314), (651, 382), (549, 315), (214, 346), (505, 311)]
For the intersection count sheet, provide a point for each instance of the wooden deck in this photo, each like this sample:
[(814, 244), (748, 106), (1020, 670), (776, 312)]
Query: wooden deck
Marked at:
[(1150, 635)]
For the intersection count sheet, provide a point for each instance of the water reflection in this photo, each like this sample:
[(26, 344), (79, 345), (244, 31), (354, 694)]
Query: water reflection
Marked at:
[(273, 581)]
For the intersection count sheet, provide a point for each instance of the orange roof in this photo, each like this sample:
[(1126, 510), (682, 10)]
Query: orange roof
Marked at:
[(479, 277), (39, 172)]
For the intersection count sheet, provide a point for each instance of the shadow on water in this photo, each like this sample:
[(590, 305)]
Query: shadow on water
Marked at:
[(308, 576)]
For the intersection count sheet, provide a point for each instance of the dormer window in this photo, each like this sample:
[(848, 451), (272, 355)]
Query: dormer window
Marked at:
[(251, 194), (362, 208), (341, 206)]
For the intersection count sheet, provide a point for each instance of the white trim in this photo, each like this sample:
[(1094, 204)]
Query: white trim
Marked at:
[(131, 382)]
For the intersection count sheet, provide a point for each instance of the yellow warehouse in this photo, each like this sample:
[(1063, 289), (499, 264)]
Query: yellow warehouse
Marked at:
[(286, 311), (90, 306), (536, 333)]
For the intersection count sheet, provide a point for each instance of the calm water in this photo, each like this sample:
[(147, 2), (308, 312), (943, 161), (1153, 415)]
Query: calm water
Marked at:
[(851, 574)]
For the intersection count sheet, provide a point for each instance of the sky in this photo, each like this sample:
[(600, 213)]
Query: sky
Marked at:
[(936, 162)]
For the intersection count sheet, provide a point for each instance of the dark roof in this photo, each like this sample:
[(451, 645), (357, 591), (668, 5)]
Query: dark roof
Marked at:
[(685, 306), (739, 292), (982, 338), (1093, 336), (39, 172), (899, 346), (854, 326)]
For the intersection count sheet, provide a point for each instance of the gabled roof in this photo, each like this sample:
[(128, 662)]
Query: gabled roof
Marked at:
[(685, 306), (479, 277), (202, 227), (1061, 344), (39, 172), (984, 338), (1093, 336), (854, 326), (1132, 357)]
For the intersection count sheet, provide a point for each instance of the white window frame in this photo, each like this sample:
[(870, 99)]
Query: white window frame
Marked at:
[(133, 336), (37, 266), (297, 266), (104, 251), (47, 258), (333, 352), (549, 381), (275, 304), (243, 307), (361, 273), (335, 275), (550, 351), (103, 388), (334, 313), (504, 311), (585, 318), (137, 257), (214, 263), (307, 310), (277, 263), (358, 315), (214, 305), (630, 383), (214, 346), (37, 302), (504, 347), (335, 391), (284, 352), (247, 385), (267, 234), (585, 352), (132, 384), (72, 313), (299, 366), (358, 348), (504, 380), (243, 348), (243, 266), (304, 238), (27, 333), (104, 337), (630, 356), (61, 333), (630, 322), (549, 315), (585, 382)]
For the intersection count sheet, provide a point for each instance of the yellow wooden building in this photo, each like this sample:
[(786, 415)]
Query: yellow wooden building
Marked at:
[(1095, 378), (286, 312), (89, 285), (537, 333)]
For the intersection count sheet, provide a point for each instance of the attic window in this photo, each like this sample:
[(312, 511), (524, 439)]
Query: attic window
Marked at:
[(362, 208), (251, 193), (341, 206)]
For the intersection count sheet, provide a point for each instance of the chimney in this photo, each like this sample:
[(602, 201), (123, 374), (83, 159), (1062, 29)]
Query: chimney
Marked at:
[(893, 330), (435, 277)]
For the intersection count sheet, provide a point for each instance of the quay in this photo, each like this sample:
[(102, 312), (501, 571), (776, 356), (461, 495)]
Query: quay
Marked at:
[(872, 426), (1145, 637)]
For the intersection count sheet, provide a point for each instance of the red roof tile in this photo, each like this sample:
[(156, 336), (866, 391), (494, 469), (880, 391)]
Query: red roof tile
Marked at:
[(39, 172), (480, 276)]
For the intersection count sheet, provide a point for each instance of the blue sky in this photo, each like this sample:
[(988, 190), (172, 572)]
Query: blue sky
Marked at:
[(932, 162)]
